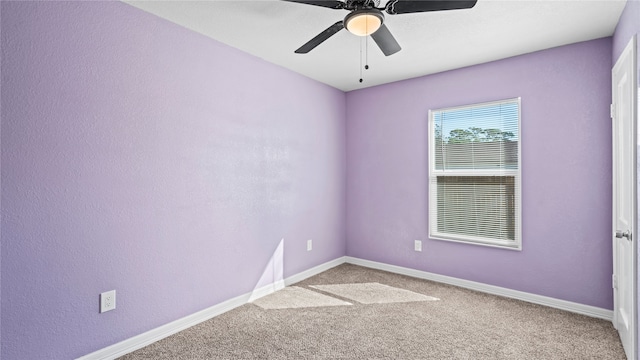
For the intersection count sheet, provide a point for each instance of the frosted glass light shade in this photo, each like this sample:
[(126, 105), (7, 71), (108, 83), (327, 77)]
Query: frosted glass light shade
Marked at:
[(363, 23)]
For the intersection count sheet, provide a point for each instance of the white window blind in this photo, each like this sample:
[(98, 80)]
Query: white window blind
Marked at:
[(474, 170)]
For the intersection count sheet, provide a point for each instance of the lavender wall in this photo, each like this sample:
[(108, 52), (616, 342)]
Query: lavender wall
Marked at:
[(628, 25), (566, 170), (143, 157)]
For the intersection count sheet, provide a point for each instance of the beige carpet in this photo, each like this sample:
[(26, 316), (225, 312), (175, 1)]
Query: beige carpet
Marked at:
[(294, 297), (373, 293), (463, 324)]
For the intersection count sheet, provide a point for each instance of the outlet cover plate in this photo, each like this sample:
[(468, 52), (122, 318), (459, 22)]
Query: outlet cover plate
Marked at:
[(107, 301), (417, 245), (309, 245)]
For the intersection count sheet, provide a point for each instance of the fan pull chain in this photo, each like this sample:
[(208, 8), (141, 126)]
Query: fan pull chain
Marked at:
[(366, 55), (360, 60), (366, 52)]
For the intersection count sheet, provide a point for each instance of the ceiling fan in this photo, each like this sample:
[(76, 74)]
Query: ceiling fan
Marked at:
[(365, 19)]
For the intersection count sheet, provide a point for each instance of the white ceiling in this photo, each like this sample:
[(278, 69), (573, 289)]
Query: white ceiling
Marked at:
[(431, 42)]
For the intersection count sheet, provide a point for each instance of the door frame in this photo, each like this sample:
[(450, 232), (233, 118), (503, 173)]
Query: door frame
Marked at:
[(630, 50)]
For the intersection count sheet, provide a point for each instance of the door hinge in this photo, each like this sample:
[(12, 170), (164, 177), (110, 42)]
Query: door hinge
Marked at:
[(612, 111), (614, 281)]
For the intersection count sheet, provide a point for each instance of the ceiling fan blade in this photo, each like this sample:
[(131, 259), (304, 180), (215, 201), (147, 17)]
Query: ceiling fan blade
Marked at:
[(414, 6), (320, 38), (331, 4), (386, 42)]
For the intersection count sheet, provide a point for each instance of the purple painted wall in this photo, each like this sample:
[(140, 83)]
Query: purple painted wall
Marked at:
[(566, 170), (140, 156), (628, 25)]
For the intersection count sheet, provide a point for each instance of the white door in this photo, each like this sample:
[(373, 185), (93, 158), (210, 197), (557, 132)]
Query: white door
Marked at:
[(624, 197)]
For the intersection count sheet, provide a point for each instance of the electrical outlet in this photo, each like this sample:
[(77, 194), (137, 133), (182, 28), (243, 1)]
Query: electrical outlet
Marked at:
[(309, 245), (417, 245), (107, 301)]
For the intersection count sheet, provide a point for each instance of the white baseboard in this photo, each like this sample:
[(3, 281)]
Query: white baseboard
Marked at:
[(587, 310), (266, 290), (159, 333), (139, 341), (314, 271)]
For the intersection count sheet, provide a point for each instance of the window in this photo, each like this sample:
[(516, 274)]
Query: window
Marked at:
[(474, 174)]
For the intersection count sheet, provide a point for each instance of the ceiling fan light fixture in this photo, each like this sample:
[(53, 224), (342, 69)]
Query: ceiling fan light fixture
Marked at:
[(364, 22)]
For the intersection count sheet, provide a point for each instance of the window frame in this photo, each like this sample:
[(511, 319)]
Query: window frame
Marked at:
[(433, 188)]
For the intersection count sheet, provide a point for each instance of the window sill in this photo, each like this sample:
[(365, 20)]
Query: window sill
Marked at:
[(507, 245)]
